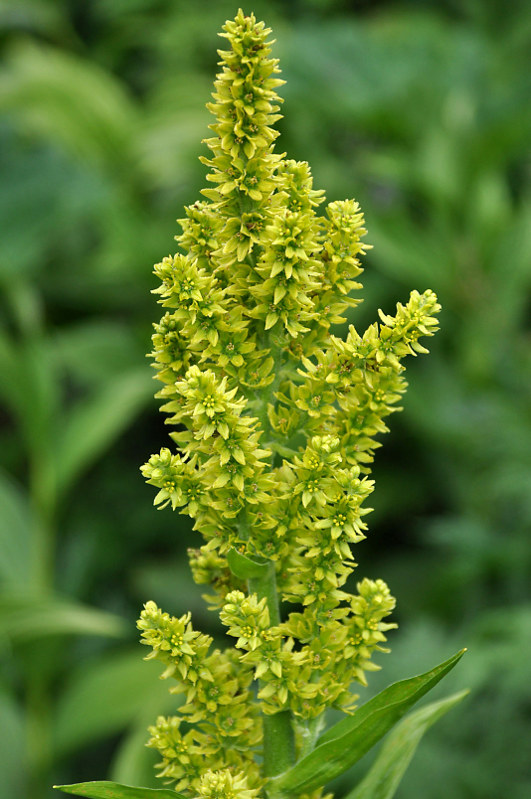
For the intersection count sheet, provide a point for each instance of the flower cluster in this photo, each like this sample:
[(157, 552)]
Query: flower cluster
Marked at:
[(276, 421), (217, 701), (224, 784), (307, 664)]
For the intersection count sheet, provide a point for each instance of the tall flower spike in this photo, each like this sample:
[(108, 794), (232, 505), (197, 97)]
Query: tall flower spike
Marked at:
[(276, 422)]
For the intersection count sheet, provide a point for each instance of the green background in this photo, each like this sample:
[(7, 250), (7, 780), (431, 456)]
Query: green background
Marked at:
[(420, 110)]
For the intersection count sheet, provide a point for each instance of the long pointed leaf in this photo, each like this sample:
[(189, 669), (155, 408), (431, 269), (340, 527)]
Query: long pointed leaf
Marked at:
[(113, 790), (347, 742), (395, 756), (94, 423), (410, 690), (27, 618)]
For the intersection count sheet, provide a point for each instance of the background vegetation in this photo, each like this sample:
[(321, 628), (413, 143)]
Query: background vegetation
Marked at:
[(421, 111)]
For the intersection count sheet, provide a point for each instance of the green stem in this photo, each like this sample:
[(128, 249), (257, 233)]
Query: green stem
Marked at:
[(279, 740), (38, 680), (38, 720), (279, 743), (267, 395), (42, 491)]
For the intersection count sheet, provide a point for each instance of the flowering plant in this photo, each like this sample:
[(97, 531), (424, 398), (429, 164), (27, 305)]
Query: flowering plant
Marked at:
[(276, 422)]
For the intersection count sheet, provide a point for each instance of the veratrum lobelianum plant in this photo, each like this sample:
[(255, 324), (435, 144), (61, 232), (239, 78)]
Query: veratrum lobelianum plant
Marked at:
[(275, 423)]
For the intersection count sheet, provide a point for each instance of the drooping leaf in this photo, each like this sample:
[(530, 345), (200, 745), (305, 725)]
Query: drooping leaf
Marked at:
[(348, 740), (388, 769), (68, 99), (25, 618), (113, 790), (244, 567)]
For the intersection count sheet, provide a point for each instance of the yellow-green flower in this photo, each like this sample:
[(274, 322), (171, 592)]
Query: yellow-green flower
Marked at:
[(274, 425)]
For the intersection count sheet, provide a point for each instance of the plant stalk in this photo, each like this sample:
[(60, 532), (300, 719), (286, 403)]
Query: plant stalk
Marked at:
[(279, 742)]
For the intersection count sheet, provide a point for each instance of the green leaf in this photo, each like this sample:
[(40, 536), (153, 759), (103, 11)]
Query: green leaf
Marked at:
[(46, 20), (395, 755), (113, 790), (13, 754), (348, 740), (94, 423), (124, 684), (32, 391), (71, 100), (97, 351), (174, 120), (24, 618), (16, 523), (404, 691), (133, 761), (245, 568)]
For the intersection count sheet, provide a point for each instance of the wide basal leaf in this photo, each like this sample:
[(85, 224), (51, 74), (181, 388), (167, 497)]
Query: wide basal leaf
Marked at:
[(395, 756), (113, 790), (348, 740)]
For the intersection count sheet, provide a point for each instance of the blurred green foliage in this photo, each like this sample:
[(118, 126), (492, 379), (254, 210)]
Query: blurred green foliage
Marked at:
[(420, 110)]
